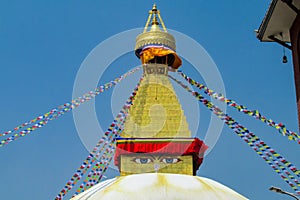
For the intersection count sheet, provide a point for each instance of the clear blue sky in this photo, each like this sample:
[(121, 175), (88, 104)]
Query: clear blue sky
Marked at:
[(42, 46)]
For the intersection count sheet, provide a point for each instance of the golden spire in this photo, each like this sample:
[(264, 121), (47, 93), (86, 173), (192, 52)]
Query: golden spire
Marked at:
[(156, 135), (154, 13), (154, 35)]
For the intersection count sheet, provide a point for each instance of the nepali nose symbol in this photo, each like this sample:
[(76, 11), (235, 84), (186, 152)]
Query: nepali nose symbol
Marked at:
[(156, 167)]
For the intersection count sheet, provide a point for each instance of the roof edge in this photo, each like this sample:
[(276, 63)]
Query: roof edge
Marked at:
[(264, 24)]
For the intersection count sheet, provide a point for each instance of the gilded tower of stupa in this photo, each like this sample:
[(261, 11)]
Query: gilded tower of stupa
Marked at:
[(156, 154), (156, 136)]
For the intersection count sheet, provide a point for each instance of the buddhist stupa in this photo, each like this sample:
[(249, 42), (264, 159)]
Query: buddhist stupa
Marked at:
[(156, 154)]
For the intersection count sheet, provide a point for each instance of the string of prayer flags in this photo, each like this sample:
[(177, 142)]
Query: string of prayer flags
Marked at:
[(95, 175), (42, 120), (104, 147), (254, 113), (274, 159)]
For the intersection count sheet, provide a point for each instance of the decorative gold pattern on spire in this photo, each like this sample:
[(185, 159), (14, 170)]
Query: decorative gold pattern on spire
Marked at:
[(156, 112), (155, 35)]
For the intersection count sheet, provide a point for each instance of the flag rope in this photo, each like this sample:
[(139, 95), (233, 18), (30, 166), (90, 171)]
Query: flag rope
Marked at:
[(254, 113), (273, 158), (105, 147), (43, 120)]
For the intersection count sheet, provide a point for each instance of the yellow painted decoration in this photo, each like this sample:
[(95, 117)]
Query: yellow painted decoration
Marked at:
[(159, 186)]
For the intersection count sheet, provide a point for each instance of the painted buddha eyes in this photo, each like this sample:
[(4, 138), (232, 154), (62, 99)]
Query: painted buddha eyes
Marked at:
[(166, 160), (143, 160), (170, 160)]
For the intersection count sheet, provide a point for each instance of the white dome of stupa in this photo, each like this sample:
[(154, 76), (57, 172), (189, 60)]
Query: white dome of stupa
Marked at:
[(159, 186)]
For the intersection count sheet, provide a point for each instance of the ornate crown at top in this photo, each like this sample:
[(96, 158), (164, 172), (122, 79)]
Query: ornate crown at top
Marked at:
[(154, 35)]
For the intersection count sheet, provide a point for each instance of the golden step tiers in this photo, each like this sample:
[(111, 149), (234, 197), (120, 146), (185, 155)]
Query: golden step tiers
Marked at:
[(156, 111)]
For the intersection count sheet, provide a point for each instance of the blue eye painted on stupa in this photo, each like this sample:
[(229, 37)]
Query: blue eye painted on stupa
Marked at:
[(143, 160), (147, 160), (170, 160)]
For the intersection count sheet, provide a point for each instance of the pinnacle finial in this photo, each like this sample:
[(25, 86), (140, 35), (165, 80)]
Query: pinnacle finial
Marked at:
[(154, 20), (155, 14), (154, 9)]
